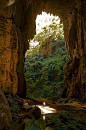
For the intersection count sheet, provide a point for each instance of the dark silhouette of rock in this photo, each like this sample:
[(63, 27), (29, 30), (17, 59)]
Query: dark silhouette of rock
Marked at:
[(5, 113), (36, 112)]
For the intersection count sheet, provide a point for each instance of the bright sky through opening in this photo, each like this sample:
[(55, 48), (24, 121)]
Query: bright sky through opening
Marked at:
[(41, 21)]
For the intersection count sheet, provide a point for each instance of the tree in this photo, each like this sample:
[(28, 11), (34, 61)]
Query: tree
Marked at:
[(50, 32), (42, 81), (46, 67)]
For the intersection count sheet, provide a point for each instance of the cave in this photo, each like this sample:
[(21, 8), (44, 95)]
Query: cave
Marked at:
[(17, 25)]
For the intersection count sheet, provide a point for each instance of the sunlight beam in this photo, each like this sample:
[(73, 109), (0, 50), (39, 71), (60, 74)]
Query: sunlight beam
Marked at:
[(46, 109), (10, 2)]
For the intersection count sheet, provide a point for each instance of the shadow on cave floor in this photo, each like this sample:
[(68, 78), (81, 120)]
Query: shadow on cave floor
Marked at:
[(27, 113), (27, 119)]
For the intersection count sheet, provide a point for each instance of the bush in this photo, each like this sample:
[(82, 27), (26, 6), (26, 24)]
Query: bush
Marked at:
[(65, 121), (14, 109)]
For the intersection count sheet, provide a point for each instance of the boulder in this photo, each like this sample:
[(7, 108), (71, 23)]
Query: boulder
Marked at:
[(5, 113)]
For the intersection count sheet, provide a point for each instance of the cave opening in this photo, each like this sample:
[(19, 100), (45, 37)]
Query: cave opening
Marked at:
[(45, 58), (17, 20)]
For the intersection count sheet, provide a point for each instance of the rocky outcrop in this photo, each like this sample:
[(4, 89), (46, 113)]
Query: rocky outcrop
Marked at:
[(75, 69), (9, 56), (75, 79), (14, 100), (5, 114), (11, 51)]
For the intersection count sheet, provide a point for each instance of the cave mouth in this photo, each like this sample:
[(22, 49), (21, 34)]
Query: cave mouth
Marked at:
[(45, 58)]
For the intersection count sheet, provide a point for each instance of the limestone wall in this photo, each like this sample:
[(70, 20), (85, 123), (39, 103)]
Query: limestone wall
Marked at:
[(75, 68), (12, 50), (5, 113)]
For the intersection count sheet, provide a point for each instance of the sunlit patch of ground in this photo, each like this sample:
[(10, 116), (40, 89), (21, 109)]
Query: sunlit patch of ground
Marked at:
[(46, 109), (78, 110)]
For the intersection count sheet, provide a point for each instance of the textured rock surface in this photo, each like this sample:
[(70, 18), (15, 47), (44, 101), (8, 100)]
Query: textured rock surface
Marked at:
[(17, 25), (9, 56), (75, 69), (75, 79), (14, 100), (5, 114), (11, 51)]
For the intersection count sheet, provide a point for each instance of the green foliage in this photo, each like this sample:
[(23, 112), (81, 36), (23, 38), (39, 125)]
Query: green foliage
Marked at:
[(44, 70), (65, 121), (63, 100), (41, 74), (51, 91), (14, 109), (52, 32), (60, 40), (35, 125), (44, 76), (27, 75), (52, 44), (14, 123), (75, 102)]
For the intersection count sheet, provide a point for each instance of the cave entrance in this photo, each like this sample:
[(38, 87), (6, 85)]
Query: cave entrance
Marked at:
[(44, 61)]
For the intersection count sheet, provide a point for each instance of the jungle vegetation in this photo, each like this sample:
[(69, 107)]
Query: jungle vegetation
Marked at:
[(43, 67)]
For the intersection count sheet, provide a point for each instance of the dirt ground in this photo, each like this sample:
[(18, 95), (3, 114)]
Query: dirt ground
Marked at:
[(78, 110)]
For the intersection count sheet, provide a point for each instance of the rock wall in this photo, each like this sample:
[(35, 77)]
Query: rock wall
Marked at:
[(75, 68), (11, 52), (9, 56), (5, 114), (17, 25)]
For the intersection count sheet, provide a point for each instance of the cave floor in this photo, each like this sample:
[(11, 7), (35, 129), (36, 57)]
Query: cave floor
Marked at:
[(77, 110)]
